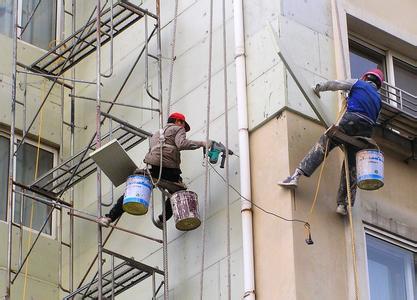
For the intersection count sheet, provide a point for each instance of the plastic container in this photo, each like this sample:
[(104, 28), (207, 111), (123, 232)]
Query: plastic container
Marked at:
[(370, 169), (137, 195)]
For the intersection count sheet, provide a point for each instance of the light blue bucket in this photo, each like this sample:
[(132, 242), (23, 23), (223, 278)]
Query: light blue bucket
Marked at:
[(370, 169), (137, 195)]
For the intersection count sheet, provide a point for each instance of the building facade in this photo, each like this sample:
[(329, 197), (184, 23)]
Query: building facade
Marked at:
[(326, 39)]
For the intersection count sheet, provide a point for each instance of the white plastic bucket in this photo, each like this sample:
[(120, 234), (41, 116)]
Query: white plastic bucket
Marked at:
[(370, 169), (137, 195), (185, 209)]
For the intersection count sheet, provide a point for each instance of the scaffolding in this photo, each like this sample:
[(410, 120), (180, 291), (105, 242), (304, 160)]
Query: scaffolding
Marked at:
[(105, 23)]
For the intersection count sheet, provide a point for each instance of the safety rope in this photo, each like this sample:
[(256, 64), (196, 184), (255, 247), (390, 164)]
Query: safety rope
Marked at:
[(347, 172), (32, 209), (226, 130), (206, 183), (313, 205), (352, 231), (171, 67)]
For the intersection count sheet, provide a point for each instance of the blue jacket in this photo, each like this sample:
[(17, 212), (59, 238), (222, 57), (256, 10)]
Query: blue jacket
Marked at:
[(364, 99)]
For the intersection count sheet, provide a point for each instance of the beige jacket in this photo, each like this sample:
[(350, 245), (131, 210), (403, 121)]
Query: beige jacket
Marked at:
[(175, 141)]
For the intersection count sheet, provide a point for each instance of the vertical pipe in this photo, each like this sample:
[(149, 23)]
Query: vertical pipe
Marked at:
[(98, 144), (111, 42), (72, 151), (112, 277), (60, 251), (21, 210), (165, 249), (11, 156), (165, 237), (153, 284), (159, 54), (242, 107)]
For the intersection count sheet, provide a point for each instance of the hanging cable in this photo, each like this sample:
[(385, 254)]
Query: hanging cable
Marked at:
[(206, 183), (32, 209), (226, 133), (171, 67), (305, 223), (352, 231)]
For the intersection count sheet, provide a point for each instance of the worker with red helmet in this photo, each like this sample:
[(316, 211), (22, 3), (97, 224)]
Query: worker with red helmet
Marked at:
[(173, 140), (363, 107)]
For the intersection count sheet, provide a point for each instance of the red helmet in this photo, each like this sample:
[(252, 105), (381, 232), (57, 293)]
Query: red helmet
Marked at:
[(179, 116), (377, 73)]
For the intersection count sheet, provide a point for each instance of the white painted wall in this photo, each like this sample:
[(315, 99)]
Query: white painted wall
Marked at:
[(189, 96)]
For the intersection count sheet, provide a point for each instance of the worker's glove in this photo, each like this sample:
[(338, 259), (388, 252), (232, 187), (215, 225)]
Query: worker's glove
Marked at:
[(104, 221), (316, 89)]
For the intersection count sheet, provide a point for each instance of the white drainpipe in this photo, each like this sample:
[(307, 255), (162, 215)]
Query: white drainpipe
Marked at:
[(245, 181)]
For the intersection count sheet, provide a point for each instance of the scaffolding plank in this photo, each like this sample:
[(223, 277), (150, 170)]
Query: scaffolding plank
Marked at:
[(126, 274), (114, 161), (335, 133), (73, 51), (56, 181)]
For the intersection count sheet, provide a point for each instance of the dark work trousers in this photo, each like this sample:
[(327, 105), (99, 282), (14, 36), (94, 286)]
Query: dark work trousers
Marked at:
[(170, 174), (352, 125)]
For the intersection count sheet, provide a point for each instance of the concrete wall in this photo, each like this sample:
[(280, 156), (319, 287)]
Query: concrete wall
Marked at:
[(298, 267), (286, 268), (42, 279)]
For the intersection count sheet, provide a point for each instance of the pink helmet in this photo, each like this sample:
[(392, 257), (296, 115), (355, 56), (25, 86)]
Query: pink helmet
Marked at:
[(377, 73)]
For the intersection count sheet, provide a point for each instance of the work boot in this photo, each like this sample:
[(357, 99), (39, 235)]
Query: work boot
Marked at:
[(291, 182), (341, 209), (104, 221)]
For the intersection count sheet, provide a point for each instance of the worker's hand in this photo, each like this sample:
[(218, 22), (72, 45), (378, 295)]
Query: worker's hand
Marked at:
[(139, 171), (205, 145), (210, 142), (316, 89)]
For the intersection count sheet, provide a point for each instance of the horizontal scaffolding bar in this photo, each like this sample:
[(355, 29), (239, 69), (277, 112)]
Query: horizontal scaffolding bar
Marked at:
[(38, 73), (115, 103), (117, 228), (59, 77)]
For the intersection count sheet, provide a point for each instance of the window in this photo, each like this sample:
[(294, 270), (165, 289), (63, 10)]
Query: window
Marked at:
[(33, 213), (363, 59), (401, 90), (41, 31), (391, 270)]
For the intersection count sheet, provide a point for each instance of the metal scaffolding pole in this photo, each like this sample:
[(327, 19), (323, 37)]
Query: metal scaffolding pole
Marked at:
[(72, 151), (98, 145), (10, 193), (100, 117)]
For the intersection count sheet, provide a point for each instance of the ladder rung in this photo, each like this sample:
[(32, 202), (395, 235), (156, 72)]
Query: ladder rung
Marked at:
[(16, 225), (153, 56), (65, 244)]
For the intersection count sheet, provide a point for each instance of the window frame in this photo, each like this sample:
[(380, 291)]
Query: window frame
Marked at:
[(55, 153), (391, 238), (389, 55), (58, 29)]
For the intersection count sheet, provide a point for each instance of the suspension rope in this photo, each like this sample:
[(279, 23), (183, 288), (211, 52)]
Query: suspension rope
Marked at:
[(171, 67), (32, 209), (206, 183), (226, 133), (352, 231)]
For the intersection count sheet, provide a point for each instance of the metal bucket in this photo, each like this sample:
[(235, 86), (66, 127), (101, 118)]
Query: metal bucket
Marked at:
[(370, 169), (137, 195), (185, 209)]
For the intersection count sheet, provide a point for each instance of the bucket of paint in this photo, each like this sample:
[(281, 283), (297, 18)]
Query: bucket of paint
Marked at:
[(185, 210), (370, 169), (137, 194)]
